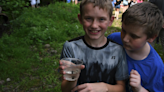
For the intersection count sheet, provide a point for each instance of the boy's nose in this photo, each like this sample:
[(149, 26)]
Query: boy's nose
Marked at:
[(94, 24), (126, 38)]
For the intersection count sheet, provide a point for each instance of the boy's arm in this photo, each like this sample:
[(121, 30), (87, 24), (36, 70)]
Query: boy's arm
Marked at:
[(67, 86), (101, 87), (135, 82), (116, 37), (119, 87)]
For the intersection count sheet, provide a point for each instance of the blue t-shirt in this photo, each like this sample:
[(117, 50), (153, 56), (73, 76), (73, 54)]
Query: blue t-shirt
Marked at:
[(151, 69)]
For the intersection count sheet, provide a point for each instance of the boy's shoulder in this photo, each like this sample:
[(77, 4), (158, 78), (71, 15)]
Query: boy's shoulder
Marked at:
[(114, 42), (77, 38), (116, 37), (115, 34)]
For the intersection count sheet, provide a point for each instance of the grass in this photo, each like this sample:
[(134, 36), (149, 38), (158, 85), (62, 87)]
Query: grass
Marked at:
[(29, 56)]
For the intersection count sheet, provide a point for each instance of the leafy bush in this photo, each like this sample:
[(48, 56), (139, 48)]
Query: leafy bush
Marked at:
[(13, 8), (47, 24), (52, 24)]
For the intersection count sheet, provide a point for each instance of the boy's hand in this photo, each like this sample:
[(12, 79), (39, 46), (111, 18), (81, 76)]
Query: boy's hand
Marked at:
[(135, 81), (64, 65), (91, 87)]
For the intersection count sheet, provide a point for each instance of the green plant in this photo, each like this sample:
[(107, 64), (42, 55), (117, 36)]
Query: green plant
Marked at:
[(13, 8)]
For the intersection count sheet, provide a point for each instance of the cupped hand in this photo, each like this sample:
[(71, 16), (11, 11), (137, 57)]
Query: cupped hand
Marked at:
[(65, 64), (135, 81), (91, 87)]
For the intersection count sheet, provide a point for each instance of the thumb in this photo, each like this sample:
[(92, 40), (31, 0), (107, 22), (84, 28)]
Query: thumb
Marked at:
[(135, 72), (82, 67)]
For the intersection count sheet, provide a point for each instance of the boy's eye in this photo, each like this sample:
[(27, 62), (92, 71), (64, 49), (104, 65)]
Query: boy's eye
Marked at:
[(101, 19), (88, 18), (134, 36)]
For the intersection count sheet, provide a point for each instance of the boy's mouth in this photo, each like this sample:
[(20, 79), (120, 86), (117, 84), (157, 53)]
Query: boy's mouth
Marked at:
[(125, 45), (95, 31)]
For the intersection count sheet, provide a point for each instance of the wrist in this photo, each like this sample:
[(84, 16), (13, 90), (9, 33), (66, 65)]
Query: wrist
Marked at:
[(137, 89), (140, 89), (105, 85)]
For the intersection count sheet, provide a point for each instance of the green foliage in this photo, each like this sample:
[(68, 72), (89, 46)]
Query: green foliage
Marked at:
[(13, 8), (47, 24), (23, 50)]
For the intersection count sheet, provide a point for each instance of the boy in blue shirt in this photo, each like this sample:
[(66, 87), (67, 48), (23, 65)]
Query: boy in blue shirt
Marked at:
[(105, 61), (141, 24)]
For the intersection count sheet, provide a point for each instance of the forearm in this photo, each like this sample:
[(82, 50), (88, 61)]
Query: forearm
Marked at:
[(67, 86), (115, 88), (142, 89)]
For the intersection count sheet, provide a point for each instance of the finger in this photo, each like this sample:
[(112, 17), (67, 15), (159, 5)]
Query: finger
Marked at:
[(79, 88), (84, 90), (62, 67), (134, 76), (131, 72), (133, 80), (82, 66), (132, 84), (60, 62), (63, 78), (63, 61), (62, 72), (135, 72), (66, 62)]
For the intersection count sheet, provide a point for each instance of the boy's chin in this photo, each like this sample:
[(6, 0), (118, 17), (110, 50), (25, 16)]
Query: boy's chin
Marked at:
[(127, 48), (93, 37)]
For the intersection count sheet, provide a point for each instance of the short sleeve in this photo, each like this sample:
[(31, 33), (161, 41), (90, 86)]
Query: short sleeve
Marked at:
[(67, 50), (122, 68)]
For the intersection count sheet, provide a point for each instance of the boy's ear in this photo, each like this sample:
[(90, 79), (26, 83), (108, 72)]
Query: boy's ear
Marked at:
[(111, 21), (150, 40), (80, 19)]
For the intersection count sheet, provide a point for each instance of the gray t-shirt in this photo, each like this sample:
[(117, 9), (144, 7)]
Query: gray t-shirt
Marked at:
[(104, 64)]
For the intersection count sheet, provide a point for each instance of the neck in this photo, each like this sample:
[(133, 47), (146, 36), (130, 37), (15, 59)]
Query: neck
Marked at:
[(97, 42), (141, 53)]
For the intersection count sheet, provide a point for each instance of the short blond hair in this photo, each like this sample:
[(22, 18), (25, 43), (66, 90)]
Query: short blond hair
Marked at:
[(104, 4)]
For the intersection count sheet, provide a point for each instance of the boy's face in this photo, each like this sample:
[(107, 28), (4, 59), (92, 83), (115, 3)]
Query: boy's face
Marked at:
[(95, 21), (133, 37)]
